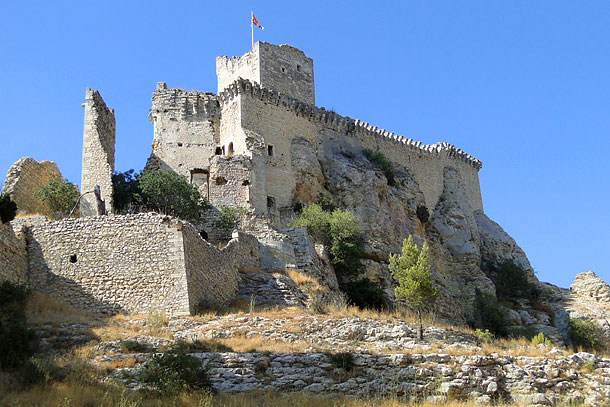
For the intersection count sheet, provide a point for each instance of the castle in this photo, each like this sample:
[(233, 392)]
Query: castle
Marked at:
[(248, 146)]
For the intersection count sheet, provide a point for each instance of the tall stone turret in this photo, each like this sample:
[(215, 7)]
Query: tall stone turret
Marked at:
[(282, 68), (98, 153)]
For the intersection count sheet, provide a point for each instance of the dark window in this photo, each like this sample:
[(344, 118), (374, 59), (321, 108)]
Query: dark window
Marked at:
[(283, 69), (299, 68), (230, 149), (220, 181), (73, 258), (179, 144), (270, 202), (218, 150), (203, 234), (246, 182), (270, 150)]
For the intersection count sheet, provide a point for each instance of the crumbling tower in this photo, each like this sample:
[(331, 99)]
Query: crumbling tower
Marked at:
[(98, 153), (282, 68)]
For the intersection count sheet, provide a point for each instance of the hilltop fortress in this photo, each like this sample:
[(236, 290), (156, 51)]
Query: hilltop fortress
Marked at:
[(260, 144)]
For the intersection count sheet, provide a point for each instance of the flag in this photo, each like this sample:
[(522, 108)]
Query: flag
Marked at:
[(255, 22)]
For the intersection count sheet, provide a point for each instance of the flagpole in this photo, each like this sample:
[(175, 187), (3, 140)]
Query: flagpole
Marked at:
[(252, 26)]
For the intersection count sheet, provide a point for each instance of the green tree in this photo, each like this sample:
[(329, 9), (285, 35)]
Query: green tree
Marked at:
[(59, 197), (170, 193), (8, 208), (410, 268), (126, 196)]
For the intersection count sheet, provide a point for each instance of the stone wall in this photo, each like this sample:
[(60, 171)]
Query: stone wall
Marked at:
[(230, 181), (185, 131), (98, 153), (13, 263), (279, 119), (24, 178), (245, 66), (134, 263), (213, 275)]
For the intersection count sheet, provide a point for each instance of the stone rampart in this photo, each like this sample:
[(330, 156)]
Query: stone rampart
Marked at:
[(185, 131), (134, 263), (98, 153), (280, 119), (13, 263), (24, 178)]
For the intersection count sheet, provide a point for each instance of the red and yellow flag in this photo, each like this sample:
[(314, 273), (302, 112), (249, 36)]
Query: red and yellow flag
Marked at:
[(255, 22)]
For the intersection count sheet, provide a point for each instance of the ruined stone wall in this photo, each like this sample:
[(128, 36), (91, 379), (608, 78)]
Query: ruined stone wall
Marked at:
[(230, 181), (98, 153), (213, 274), (112, 264), (245, 66), (13, 263), (185, 131), (24, 178), (135, 263), (280, 119)]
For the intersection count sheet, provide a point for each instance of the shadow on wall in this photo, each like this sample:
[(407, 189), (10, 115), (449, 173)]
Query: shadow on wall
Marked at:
[(43, 280)]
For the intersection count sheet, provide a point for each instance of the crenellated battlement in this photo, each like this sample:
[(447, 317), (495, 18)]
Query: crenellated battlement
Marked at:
[(340, 123), (183, 105)]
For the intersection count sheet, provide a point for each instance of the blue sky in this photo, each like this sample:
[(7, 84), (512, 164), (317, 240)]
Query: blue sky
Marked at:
[(524, 86)]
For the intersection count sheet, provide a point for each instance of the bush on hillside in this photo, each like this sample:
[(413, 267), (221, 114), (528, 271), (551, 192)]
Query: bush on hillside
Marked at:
[(585, 334), (16, 340), (422, 213), (489, 314), (8, 208), (339, 232), (512, 282), (365, 294), (59, 198), (173, 373), (158, 191), (382, 162)]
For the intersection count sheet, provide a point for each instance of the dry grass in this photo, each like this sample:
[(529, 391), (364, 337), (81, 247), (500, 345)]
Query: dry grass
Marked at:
[(117, 363), (305, 282), (72, 393), (43, 309)]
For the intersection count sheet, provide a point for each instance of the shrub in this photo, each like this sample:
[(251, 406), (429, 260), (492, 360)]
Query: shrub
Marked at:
[(16, 340), (59, 198), (174, 373), (422, 213), (230, 217), (539, 339), (488, 314), (126, 192), (382, 162), (8, 208), (337, 230), (171, 194), (527, 332), (197, 346), (511, 282), (365, 294), (410, 268), (585, 334), (484, 336), (156, 319)]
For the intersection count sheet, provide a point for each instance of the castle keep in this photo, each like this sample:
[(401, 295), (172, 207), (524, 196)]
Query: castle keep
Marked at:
[(260, 144)]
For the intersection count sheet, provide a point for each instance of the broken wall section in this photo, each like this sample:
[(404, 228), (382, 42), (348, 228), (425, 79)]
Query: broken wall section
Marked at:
[(13, 263), (24, 178), (98, 153)]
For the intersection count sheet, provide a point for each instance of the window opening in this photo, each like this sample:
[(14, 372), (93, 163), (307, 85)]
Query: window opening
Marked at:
[(73, 258), (270, 150)]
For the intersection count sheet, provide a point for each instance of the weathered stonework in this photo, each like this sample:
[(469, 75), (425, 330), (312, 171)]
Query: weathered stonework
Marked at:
[(13, 263), (24, 178), (283, 68), (135, 263), (98, 153)]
